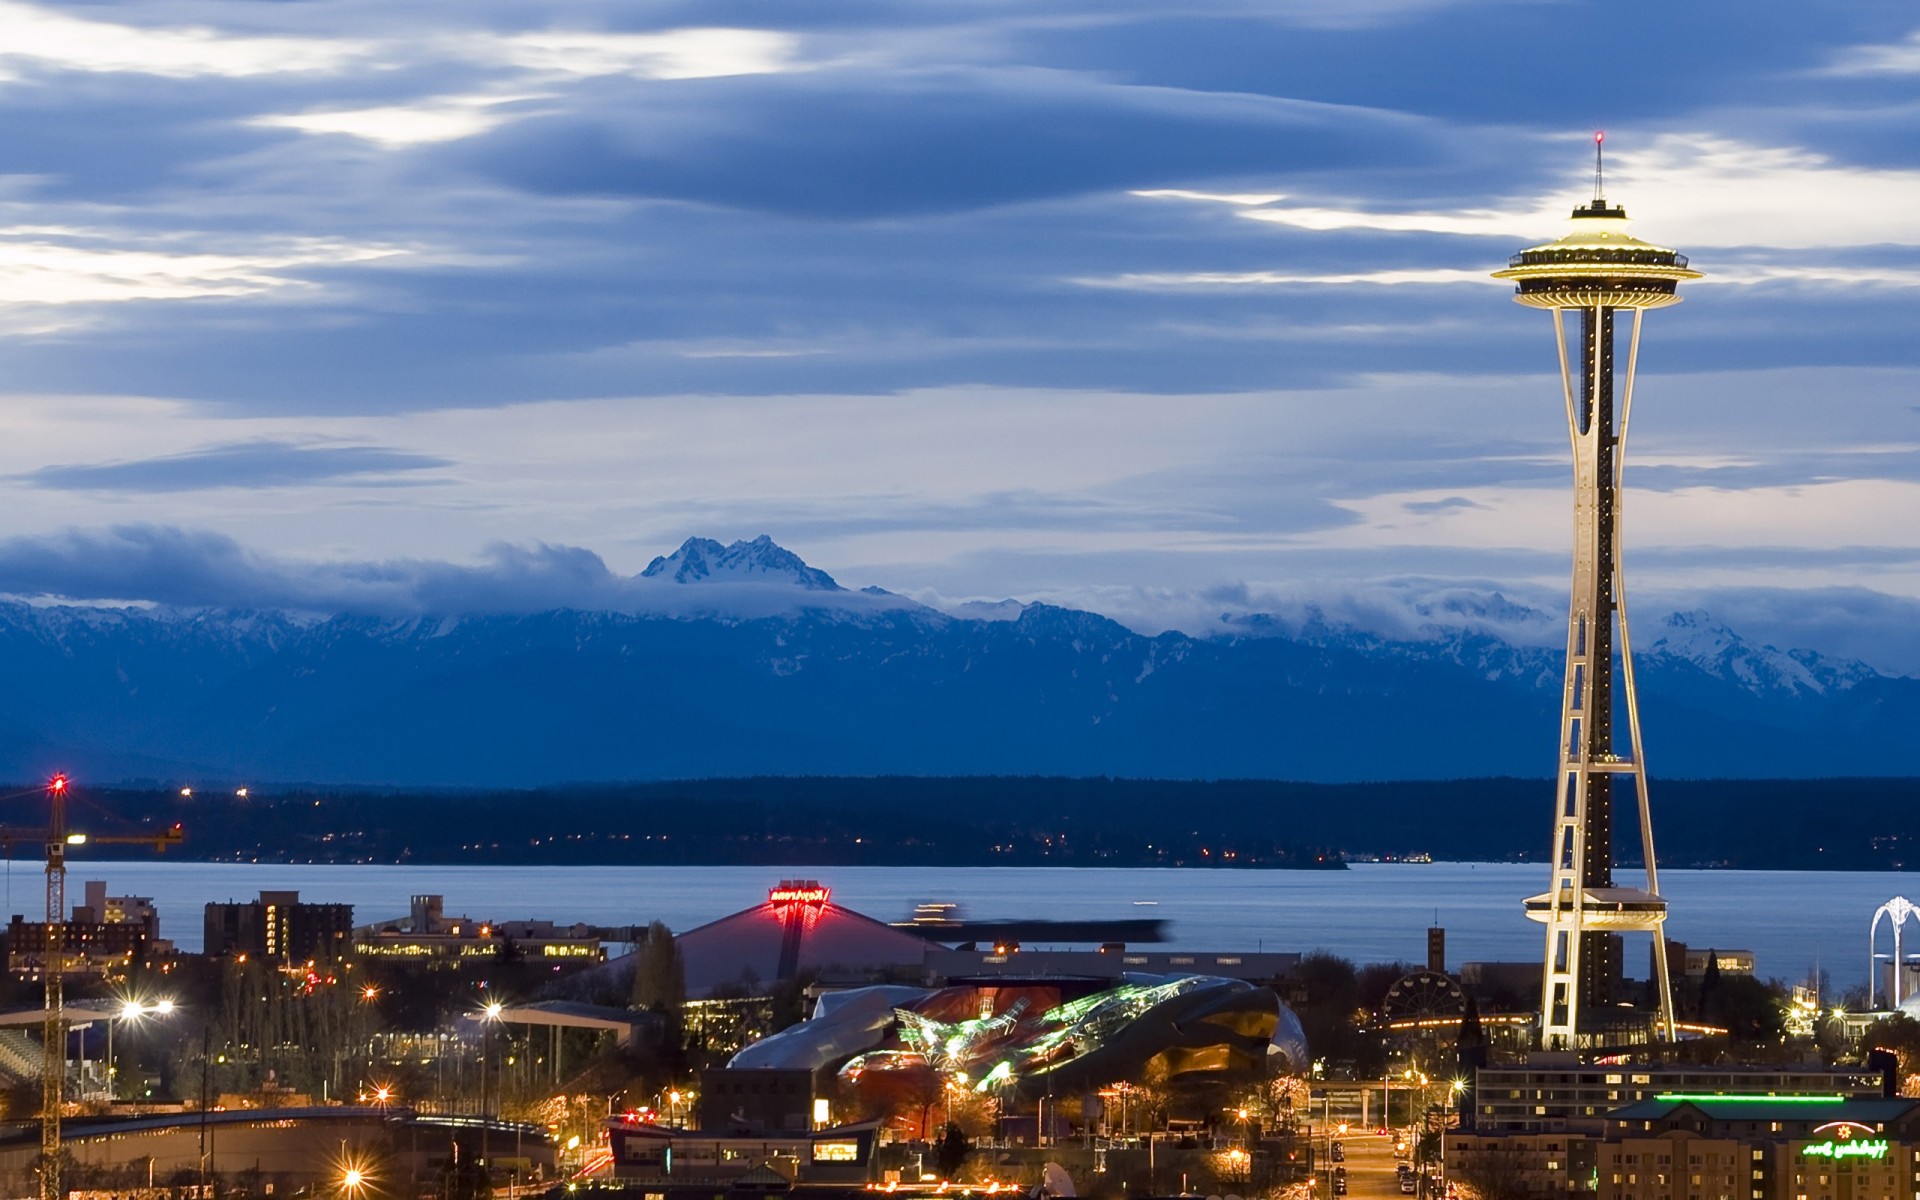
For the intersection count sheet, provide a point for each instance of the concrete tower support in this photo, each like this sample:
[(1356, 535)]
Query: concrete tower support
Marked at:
[(1595, 276)]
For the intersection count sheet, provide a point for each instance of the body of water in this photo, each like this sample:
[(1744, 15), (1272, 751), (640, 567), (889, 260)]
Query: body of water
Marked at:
[(1374, 912)]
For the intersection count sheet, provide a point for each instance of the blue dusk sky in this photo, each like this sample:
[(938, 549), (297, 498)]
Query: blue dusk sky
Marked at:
[(1159, 309)]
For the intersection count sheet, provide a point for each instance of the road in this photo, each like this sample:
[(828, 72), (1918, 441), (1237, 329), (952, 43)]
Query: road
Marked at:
[(1370, 1167)]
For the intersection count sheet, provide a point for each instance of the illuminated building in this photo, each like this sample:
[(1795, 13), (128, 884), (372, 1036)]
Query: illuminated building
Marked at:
[(728, 1024), (427, 935), (797, 929), (105, 934), (1687, 1145), (1599, 272), (1553, 1093), (1028, 1040), (755, 1164), (278, 926)]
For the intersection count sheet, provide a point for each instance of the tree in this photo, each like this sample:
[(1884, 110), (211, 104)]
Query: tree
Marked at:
[(1750, 1010), (1899, 1035), (1324, 990), (1494, 1173), (1709, 1003), (790, 998), (951, 1152), (464, 1178), (659, 972)]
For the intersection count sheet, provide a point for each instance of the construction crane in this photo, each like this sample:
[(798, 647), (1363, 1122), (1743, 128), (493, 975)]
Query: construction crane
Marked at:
[(53, 1031)]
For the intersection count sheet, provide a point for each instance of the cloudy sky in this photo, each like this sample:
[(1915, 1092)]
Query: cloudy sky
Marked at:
[(1154, 308)]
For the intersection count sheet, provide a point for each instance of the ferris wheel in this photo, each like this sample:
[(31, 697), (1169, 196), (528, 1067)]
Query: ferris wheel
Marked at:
[(1422, 996)]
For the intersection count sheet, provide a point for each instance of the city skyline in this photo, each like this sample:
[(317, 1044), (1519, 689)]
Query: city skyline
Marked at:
[(1159, 314)]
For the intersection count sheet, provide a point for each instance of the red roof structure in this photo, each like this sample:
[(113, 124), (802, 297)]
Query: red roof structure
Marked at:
[(797, 928)]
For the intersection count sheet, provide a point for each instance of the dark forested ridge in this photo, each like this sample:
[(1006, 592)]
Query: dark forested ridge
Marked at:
[(1830, 824)]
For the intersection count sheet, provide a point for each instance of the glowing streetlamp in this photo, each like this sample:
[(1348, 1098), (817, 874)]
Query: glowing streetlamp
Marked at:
[(490, 1016), (130, 1010)]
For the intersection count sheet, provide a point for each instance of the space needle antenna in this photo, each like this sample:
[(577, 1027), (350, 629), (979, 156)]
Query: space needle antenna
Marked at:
[(1599, 167)]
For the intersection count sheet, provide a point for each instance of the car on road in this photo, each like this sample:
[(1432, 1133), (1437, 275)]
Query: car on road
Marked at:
[(1408, 1185)]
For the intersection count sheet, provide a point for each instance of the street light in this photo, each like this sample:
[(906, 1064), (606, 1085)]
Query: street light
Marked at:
[(1446, 1107), (490, 1015), (130, 1010)]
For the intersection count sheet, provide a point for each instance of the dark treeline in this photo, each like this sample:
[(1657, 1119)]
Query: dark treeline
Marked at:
[(1838, 824)]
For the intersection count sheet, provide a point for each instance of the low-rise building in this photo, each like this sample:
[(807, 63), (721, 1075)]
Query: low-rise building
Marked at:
[(1708, 1147), (1553, 1091), (106, 933), (1531, 1164), (651, 1152), (755, 1100), (427, 935)]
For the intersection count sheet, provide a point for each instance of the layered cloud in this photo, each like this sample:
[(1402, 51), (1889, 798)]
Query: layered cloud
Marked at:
[(1041, 299), (170, 566), (261, 464)]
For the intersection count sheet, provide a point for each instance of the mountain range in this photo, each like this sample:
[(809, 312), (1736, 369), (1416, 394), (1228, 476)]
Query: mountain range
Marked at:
[(743, 660)]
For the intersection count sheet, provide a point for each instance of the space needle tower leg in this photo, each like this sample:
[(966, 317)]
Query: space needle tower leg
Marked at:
[(1588, 280)]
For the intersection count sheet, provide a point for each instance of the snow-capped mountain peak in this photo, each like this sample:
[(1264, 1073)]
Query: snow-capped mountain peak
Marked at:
[(1696, 637), (761, 560)]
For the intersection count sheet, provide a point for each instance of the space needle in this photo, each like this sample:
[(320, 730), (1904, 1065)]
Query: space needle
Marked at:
[(1595, 275)]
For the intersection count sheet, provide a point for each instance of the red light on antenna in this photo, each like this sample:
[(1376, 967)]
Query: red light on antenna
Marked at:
[(1599, 136), (57, 784)]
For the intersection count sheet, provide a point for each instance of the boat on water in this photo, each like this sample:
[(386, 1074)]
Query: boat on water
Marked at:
[(943, 921)]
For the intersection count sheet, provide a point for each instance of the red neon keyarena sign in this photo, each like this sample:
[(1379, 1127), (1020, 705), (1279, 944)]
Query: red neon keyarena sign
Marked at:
[(806, 892)]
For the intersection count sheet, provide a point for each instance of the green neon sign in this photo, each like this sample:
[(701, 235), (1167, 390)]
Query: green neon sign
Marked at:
[(1876, 1148)]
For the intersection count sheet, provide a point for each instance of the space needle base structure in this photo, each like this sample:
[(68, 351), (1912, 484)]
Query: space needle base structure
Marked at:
[(1589, 280)]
